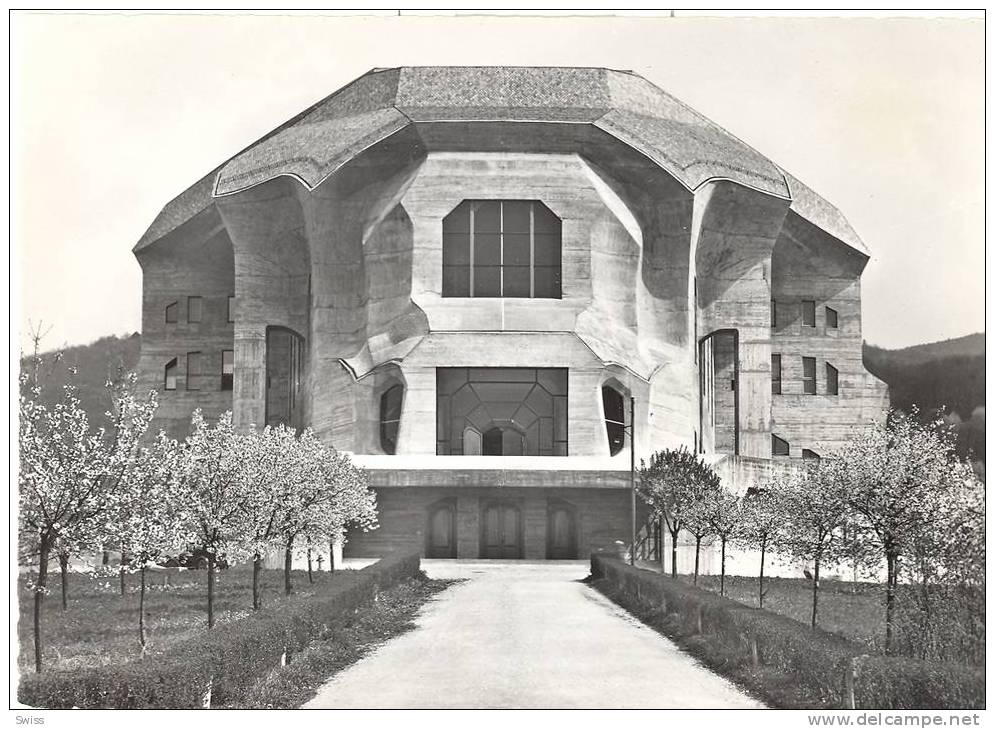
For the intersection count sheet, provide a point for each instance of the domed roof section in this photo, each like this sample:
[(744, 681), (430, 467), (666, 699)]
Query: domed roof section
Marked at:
[(314, 144)]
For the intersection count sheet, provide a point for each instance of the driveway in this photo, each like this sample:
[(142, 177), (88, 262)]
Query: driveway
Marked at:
[(526, 635)]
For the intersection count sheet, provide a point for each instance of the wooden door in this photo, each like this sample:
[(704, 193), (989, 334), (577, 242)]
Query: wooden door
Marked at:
[(561, 533), (502, 532), (441, 532)]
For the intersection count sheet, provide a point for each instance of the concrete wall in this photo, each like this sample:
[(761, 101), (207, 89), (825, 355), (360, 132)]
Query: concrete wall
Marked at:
[(195, 260), (807, 264), (603, 516)]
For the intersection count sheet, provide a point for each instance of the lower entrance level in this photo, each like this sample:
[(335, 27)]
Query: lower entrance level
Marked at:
[(495, 523)]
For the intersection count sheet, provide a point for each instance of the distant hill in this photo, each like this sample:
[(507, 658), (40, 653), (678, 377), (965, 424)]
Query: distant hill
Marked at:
[(95, 364), (948, 374)]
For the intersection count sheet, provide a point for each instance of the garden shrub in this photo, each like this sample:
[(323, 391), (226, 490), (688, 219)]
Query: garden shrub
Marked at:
[(229, 658), (753, 644)]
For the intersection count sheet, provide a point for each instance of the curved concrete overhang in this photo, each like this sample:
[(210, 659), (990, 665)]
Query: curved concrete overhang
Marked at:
[(317, 143)]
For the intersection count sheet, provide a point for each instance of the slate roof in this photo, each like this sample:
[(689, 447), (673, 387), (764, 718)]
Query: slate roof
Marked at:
[(314, 144)]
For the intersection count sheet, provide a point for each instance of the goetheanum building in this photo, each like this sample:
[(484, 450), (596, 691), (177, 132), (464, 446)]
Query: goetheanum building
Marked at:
[(461, 276)]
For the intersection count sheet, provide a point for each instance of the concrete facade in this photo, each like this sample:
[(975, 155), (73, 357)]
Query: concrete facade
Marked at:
[(675, 243)]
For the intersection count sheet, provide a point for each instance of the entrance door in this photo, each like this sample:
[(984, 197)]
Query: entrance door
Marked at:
[(441, 532), (561, 533), (502, 532)]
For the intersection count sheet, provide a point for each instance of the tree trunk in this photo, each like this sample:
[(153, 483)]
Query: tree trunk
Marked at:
[(121, 572), (39, 598), (257, 568), (722, 576), (141, 611), (763, 555), (697, 555), (673, 553), (889, 601), (210, 589), (331, 555), (815, 594), (288, 563), (310, 576), (64, 571)]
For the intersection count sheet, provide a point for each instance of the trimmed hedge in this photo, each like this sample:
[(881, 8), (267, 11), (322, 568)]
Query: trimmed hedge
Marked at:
[(227, 660), (762, 649)]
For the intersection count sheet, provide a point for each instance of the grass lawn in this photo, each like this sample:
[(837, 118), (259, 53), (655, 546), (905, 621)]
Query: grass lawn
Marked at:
[(101, 626), (855, 611)]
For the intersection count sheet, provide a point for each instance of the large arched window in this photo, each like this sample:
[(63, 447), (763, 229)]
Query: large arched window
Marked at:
[(390, 418), (614, 404), (501, 248)]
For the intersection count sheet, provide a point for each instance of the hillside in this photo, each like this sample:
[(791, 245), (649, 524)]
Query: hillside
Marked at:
[(95, 364), (948, 374)]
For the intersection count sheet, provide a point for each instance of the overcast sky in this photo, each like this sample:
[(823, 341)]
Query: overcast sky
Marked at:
[(115, 115)]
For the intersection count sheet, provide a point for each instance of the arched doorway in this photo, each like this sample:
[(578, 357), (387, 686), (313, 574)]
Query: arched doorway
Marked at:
[(441, 532), (501, 532), (561, 530), (503, 441)]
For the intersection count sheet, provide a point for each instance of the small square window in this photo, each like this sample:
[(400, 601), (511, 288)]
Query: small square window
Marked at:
[(195, 309), (172, 312), (832, 380), (231, 309), (832, 319), (808, 313), (808, 375), (227, 369), (779, 446), (194, 370), (169, 379)]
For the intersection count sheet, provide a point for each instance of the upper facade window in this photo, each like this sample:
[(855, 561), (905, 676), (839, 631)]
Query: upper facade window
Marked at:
[(832, 380), (390, 418), (775, 374), (231, 309), (501, 248), (808, 375), (195, 309), (194, 370), (808, 313), (832, 318), (172, 312)]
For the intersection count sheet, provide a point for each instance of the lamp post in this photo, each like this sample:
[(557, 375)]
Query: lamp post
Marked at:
[(632, 475)]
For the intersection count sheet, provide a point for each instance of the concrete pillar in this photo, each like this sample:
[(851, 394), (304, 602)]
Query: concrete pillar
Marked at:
[(468, 526), (733, 237)]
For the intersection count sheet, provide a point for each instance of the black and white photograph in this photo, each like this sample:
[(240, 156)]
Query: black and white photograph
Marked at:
[(494, 360)]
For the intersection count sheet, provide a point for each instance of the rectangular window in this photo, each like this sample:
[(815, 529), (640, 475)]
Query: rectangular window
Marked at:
[(779, 446), (501, 411), (775, 374), (773, 314), (231, 309), (808, 313), (810, 455), (169, 378), (832, 319), (808, 375), (501, 248), (227, 369), (194, 372), (172, 312), (832, 380), (195, 309)]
